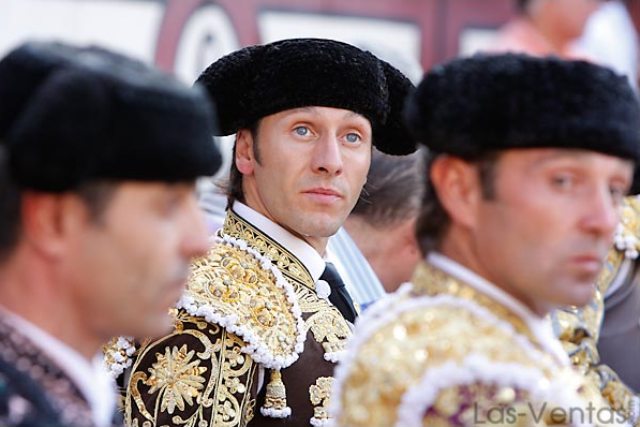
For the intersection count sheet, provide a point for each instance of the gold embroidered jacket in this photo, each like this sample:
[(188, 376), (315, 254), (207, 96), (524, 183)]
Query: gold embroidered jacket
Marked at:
[(253, 344), (440, 353), (578, 328)]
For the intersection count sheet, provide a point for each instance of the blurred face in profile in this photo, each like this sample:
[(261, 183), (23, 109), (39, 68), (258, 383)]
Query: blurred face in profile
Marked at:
[(544, 233), (128, 266)]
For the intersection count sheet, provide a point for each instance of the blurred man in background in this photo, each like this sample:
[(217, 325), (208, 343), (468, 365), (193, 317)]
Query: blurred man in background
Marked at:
[(546, 27), (379, 234)]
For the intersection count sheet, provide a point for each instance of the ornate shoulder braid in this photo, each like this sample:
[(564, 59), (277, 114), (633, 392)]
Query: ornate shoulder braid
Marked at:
[(239, 289), (289, 265), (438, 351)]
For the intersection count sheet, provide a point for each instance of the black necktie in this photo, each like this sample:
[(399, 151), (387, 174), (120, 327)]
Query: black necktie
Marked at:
[(339, 296)]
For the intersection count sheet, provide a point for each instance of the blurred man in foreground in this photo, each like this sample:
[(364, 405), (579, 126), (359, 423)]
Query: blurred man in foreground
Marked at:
[(99, 220)]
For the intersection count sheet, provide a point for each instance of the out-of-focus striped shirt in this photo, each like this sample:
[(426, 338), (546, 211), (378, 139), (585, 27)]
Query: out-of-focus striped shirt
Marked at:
[(360, 279)]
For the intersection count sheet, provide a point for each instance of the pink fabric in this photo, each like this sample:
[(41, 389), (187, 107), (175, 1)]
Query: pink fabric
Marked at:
[(521, 36)]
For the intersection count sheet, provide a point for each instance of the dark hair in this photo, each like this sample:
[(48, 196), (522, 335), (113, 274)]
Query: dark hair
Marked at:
[(232, 186), (10, 224), (96, 197), (393, 190), (433, 220)]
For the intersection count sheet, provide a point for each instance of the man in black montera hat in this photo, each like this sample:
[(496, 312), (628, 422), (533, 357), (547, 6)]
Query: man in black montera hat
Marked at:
[(98, 220), (264, 318), (530, 161)]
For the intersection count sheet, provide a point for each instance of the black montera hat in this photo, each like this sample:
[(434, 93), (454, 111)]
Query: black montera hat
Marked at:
[(257, 81), (475, 105), (71, 115)]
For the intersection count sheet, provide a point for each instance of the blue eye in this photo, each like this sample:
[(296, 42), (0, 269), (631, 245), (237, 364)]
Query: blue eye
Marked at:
[(301, 130), (352, 137)]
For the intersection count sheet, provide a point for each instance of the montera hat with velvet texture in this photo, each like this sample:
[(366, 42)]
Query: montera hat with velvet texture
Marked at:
[(261, 80), (71, 115), (484, 103)]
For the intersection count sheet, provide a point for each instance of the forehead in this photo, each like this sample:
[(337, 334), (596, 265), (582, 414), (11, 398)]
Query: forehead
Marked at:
[(530, 159), (330, 114)]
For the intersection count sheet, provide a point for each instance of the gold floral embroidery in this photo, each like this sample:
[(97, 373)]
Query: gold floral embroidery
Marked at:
[(325, 322), (177, 377), (290, 266), (320, 394), (222, 396), (235, 381), (225, 398), (231, 285), (330, 329)]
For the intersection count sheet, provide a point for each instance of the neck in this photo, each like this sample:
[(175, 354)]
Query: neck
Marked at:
[(317, 243), (365, 236), (461, 249), (28, 291)]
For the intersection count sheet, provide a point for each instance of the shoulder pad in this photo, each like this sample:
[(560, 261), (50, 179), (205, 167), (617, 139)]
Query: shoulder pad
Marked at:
[(239, 289)]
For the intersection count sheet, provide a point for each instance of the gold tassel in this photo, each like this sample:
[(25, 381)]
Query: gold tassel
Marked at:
[(275, 402)]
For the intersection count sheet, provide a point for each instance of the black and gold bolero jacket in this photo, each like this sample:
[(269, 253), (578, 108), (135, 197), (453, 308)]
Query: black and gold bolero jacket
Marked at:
[(253, 344)]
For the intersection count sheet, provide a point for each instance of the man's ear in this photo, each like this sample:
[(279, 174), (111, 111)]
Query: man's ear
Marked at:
[(49, 219), (244, 153), (458, 187)]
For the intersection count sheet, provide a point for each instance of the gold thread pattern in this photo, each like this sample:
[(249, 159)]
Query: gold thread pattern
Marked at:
[(238, 292), (319, 394), (235, 226), (176, 377), (438, 339), (202, 371), (194, 377)]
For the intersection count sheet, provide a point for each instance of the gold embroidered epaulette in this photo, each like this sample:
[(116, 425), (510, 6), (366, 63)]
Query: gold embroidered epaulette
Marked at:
[(427, 353), (237, 288), (626, 243), (627, 235)]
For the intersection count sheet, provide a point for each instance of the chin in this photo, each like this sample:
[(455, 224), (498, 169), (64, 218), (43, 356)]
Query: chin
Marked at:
[(319, 228)]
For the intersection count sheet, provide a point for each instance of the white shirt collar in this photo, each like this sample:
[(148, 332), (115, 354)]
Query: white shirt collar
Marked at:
[(539, 326), (309, 257), (90, 376)]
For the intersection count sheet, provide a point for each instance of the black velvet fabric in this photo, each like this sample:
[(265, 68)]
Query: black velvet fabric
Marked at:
[(69, 115), (257, 81), (474, 105)]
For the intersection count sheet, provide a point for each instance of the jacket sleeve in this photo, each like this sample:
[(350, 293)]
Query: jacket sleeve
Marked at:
[(195, 376)]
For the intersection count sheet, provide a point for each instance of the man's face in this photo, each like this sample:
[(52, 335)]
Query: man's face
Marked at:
[(311, 165), (127, 267), (545, 234)]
